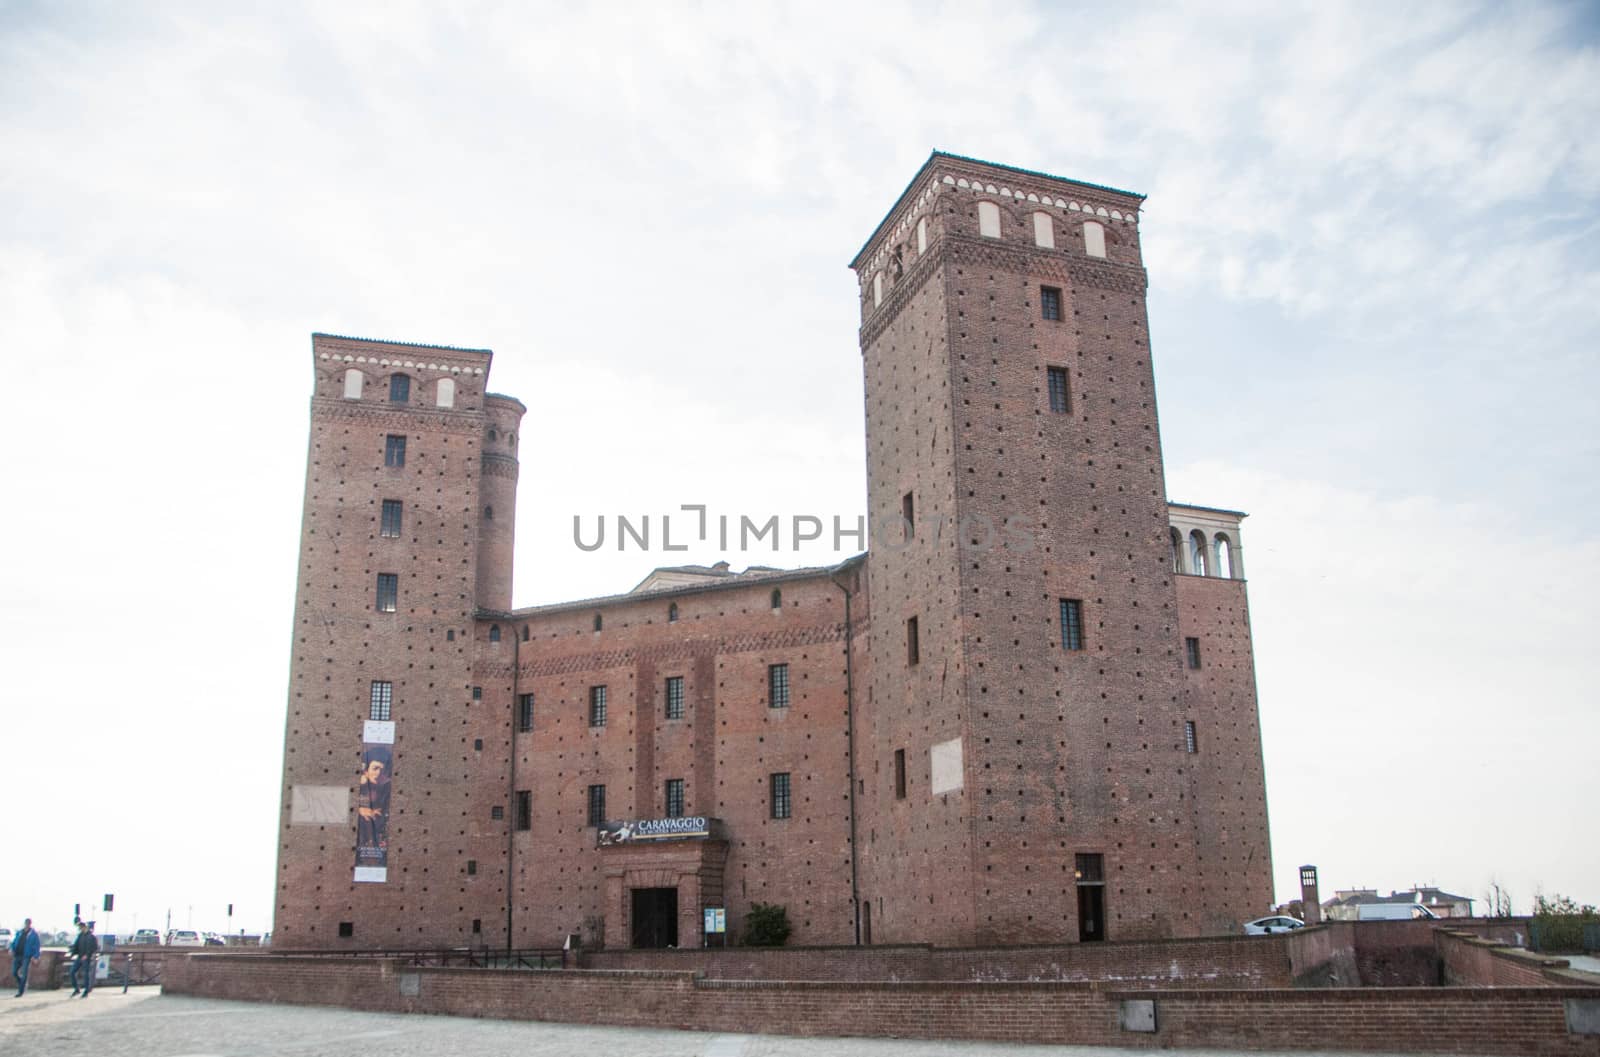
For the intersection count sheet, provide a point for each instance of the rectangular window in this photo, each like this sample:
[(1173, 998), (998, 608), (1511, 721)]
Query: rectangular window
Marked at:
[(1091, 868), (908, 514), (1191, 648), (899, 774), (913, 647), (1060, 401), (674, 797), (391, 519), (597, 805), (1050, 302), (382, 699), (1071, 624), (524, 712), (497, 812), (394, 450), (597, 706), (780, 795), (524, 809), (777, 686), (674, 697), (399, 389), (388, 592), (1191, 740)]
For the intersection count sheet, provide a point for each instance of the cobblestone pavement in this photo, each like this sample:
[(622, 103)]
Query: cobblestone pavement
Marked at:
[(146, 1023)]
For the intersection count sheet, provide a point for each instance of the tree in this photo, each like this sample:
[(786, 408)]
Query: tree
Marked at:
[(1558, 922), (766, 925), (1497, 900)]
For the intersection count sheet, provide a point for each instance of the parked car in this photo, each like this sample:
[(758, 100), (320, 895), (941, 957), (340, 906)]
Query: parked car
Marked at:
[(147, 936), (214, 940), (1394, 912), (184, 938), (5, 937), (1268, 925)]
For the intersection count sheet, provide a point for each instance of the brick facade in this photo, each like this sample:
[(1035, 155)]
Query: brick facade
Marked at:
[(946, 787)]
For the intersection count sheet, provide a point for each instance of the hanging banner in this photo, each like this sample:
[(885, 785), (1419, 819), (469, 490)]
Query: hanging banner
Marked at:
[(372, 801), (652, 829)]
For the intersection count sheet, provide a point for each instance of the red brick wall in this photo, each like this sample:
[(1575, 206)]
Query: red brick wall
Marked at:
[(341, 644), (1254, 961), (725, 748), (1510, 1020), (1226, 780), (1474, 961), (1065, 752)]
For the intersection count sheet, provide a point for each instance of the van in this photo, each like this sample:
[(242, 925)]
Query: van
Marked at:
[(1394, 912)]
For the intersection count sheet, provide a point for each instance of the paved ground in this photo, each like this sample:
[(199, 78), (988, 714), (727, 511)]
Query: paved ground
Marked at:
[(146, 1023)]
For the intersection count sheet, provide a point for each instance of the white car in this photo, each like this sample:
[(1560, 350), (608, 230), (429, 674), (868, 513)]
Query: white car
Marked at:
[(184, 938), (1276, 923)]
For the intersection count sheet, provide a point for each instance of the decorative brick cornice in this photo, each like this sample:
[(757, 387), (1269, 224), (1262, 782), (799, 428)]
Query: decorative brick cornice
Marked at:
[(498, 464), (684, 650), (440, 364), (438, 420), (1010, 256)]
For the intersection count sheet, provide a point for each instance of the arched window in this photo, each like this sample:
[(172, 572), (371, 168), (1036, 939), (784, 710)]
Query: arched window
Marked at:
[(494, 632), (597, 622), (877, 290), (777, 598), (493, 436), (1224, 557), (445, 396), (988, 220), (399, 388), (488, 513), (1197, 553), (1177, 552), (353, 379), (922, 236), (1044, 231), (511, 440), (672, 613), (1094, 239)]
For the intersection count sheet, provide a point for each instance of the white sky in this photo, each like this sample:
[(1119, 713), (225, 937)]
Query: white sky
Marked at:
[(1371, 238)]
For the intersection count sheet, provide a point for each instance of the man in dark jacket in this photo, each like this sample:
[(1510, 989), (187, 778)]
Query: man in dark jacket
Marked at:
[(84, 951), (24, 952)]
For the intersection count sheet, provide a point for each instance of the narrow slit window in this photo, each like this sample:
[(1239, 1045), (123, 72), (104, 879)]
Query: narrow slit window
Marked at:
[(388, 592), (382, 702), (779, 799), (1071, 624), (908, 514), (597, 706), (524, 713), (524, 809), (391, 519), (913, 646), (1050, 302), (675, 697), (899, 774), (1191, 739), (1060, 395)]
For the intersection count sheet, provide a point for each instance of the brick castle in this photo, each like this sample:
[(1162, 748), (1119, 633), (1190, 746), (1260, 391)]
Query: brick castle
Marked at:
[(1026, 715)]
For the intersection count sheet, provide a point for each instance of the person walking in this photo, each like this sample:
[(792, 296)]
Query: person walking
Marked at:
[(84, 956), (24, 952)]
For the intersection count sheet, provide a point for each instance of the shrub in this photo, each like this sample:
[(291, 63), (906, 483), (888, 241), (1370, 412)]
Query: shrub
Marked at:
[(766, 925)]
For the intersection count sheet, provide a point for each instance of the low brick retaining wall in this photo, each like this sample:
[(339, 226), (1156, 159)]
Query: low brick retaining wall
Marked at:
[(1453, 1020), (1474, 961), (1226, 961)]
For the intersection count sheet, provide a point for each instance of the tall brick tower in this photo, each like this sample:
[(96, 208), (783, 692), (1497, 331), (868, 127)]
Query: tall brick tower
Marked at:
[(1029, 777), (399, 547)]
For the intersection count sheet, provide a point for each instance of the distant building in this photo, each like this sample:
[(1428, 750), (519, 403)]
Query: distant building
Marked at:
[(1027, 715), (1345, 904)]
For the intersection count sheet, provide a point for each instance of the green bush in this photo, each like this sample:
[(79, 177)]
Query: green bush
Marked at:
[(1558, 923), (766, 925)]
